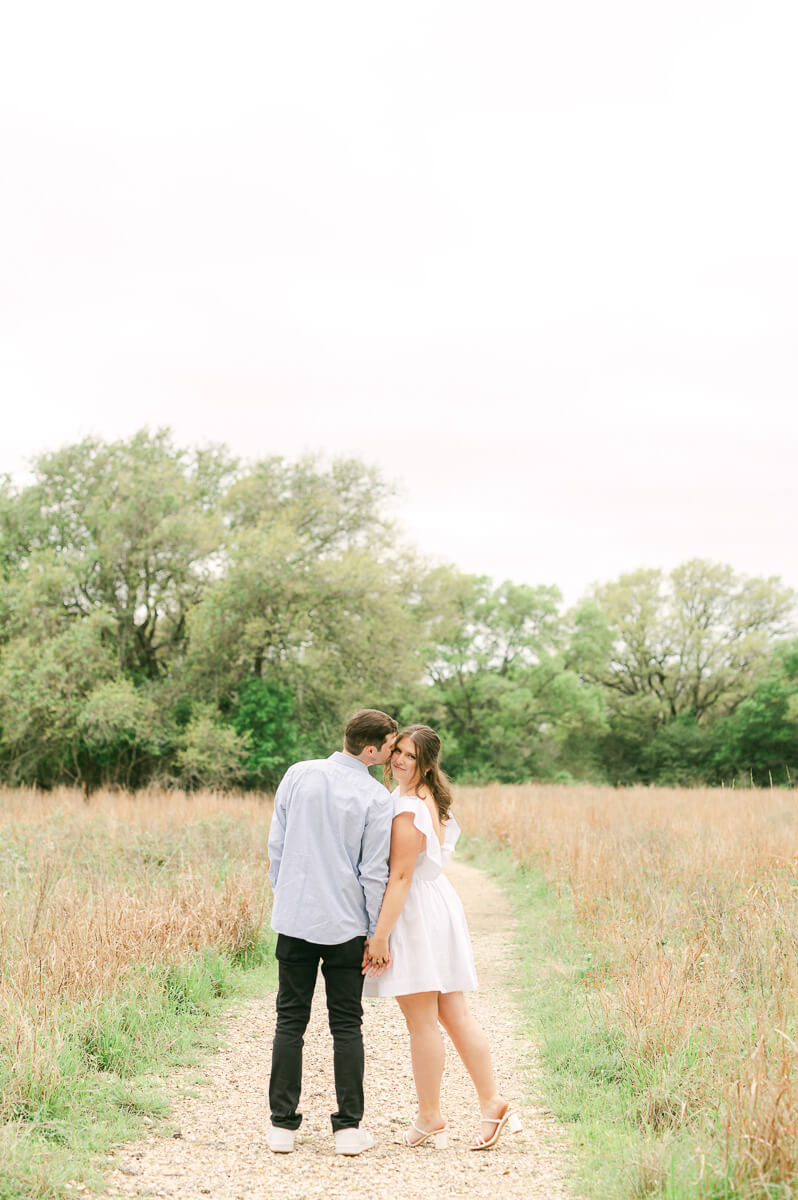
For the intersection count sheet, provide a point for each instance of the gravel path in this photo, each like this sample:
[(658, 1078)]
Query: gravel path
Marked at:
[(221, 1148)]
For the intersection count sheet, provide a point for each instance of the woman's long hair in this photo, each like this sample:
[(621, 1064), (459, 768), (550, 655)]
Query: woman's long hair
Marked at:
[(428, 748)]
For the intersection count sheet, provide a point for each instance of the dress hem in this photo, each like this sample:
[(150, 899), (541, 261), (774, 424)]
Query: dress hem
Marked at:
[(416, 991)]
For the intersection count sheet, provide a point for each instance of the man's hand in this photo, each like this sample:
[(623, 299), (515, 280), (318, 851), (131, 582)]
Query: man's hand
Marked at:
[(376, 957)]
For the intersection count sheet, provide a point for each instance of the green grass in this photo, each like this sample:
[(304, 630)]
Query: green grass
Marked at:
[(92, 1077), (631, 1137)]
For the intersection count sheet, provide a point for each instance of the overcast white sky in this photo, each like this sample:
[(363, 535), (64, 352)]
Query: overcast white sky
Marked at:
[(537, 261)]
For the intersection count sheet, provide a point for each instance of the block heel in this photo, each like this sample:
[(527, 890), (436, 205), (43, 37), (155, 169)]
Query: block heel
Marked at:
[(509, 1118), (514, 1123)]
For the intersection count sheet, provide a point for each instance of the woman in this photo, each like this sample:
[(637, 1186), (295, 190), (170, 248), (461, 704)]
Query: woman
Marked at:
[(430, 963)]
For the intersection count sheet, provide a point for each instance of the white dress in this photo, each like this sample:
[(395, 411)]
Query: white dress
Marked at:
[(429, 944)]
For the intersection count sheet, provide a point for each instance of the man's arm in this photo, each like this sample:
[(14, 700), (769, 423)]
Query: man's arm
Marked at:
[(374, 852), (277, 828)]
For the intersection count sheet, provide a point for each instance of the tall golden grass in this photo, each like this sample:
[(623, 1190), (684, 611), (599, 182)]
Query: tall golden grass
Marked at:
[(688, 903), (685, 900), (93, 888), (91, 893)]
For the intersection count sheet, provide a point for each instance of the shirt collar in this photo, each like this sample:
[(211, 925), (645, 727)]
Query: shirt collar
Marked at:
[(347, 760)]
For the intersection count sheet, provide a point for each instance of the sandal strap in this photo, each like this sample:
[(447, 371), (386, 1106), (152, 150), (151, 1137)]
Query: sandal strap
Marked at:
[(408, 1141), (425, 1133), (480, 1141)]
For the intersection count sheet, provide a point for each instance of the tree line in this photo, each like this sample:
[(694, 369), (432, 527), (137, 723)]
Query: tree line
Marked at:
[(179, 616)]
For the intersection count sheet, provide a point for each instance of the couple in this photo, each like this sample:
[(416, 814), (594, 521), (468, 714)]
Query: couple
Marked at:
[(337, 838)]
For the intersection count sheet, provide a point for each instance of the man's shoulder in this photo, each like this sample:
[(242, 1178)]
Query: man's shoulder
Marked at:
[(307, 763), (298, 769), (360, 782)]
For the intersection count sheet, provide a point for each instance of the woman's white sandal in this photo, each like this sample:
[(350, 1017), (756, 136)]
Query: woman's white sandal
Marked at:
[(509, 1117), (438, 1137)]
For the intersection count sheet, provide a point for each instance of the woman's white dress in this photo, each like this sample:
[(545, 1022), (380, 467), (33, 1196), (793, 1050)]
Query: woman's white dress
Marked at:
[(430, 943)]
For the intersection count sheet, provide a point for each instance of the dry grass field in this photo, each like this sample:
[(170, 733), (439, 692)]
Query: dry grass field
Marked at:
[(90, 889), (684, 903), (111, 913), (687, 904)]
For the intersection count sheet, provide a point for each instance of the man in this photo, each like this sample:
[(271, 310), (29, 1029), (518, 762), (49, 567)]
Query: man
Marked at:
[(329, 844)]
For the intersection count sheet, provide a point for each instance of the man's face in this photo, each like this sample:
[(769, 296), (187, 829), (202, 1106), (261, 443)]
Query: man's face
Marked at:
[(384, 752)]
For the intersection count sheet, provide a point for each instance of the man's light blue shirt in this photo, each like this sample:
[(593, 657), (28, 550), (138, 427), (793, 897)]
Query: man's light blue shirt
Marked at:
[(328, 850)]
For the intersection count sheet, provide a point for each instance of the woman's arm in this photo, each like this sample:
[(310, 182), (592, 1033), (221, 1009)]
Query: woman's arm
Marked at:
[(406, 845)]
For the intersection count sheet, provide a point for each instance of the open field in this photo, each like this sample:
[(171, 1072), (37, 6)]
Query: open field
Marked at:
[(666, 945), (685, 904), (122, 922)]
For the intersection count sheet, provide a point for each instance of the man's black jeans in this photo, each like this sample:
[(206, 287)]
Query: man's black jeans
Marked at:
[(298, 966)]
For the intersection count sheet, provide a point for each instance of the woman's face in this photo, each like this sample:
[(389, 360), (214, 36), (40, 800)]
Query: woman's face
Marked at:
[(404, 762)]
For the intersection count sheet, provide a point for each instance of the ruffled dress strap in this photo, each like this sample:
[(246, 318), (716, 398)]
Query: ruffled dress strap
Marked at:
[(422, 820)]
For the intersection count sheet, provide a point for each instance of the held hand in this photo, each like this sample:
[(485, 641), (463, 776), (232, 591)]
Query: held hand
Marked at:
[(372, 967), (376, 956)]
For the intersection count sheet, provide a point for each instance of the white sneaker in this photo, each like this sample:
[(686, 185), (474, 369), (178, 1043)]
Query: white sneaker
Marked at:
[(352, 1141), (279, 1140)]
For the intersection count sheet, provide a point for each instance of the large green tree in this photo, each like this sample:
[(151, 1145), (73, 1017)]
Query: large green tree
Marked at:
[(508, 699), (126, 528), (248, 607), (311, 605), (44, 688), (682, 649), (695, 640)]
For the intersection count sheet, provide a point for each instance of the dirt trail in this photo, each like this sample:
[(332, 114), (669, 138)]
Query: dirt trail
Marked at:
[(222, 1153)]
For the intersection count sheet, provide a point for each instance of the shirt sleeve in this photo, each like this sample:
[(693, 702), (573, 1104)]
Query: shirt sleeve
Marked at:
[(277, 828), (375, 851)]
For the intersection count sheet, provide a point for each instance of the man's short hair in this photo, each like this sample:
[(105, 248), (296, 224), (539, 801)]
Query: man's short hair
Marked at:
[(369, 727)]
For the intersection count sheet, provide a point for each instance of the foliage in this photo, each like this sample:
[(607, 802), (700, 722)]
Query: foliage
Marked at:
[(264, 716), (674, 656), (760, 738), (122, 732), (44, 686), (508, 697), (136, 577), (177, 615), (209, 752), (695, 640), (124, 528), (680, 754)]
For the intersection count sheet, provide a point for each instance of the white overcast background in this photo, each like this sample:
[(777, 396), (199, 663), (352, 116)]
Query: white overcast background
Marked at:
[(536, 262)]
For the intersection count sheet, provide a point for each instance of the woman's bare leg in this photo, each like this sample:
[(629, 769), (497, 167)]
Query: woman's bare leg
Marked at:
[(420, 1011), (471, 1044)]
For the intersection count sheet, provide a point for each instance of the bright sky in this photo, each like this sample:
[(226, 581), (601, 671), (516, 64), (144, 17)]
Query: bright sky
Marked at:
[(537, 262)]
